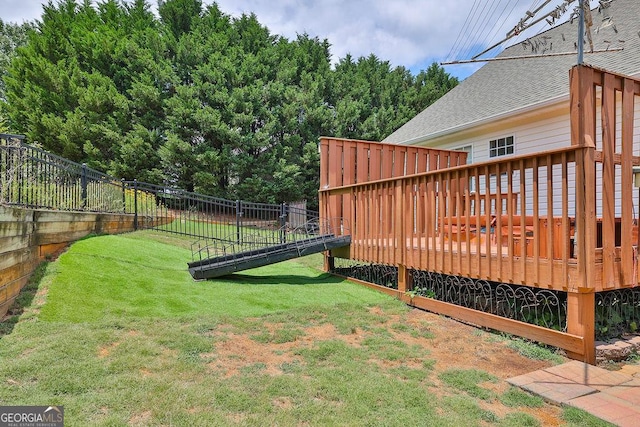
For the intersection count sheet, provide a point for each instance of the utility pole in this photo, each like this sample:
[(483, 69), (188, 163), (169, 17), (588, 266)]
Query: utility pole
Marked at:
[(581, 32)]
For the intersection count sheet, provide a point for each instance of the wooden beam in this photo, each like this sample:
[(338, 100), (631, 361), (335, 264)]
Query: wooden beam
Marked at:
[(628, 116), (581, 311)]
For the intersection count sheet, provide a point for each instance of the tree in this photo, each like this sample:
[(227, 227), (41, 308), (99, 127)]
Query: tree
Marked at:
[(198, 99), (12, 36), (179, 16), (90, 83)]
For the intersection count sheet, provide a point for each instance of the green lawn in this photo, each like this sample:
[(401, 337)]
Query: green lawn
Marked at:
[(224, 231), (118, 332), (124, 276)]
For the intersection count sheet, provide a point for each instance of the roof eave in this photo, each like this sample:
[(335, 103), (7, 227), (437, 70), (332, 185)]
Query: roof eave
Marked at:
[(505, 115)]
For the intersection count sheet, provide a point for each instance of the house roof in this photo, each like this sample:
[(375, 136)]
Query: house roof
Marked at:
[(504, 88)]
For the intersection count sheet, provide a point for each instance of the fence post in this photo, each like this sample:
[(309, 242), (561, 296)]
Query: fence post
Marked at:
[(283, 223), (124, 199), (18, 175), (238, 219), (83, 184), (135, 204)]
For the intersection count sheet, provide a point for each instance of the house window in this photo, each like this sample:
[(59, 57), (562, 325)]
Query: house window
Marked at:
[(469, 150), (501, 146)]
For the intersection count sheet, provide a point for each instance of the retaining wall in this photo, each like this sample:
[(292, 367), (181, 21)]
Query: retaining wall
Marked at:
[(28, 236)]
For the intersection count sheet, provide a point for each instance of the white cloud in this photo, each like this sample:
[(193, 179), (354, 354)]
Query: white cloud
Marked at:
[(20, 10), (411, 33)]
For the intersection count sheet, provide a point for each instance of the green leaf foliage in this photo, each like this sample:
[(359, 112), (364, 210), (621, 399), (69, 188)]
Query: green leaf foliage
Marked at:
[(12, 36), (196, 98)]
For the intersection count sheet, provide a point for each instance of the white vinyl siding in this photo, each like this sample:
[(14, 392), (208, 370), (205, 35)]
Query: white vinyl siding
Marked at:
[(467, 149), (544, 135), (548, 134)]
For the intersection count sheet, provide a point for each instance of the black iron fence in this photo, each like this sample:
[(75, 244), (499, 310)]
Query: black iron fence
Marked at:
[(206, 217), (33, 178)]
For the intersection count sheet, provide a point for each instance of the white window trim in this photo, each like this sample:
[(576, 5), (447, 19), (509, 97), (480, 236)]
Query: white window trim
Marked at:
[(513, 146), (468, 148)]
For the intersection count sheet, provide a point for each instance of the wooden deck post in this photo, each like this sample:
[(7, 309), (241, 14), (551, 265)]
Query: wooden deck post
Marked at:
[(404, 279), (581, 309), (329, 262), (581, 319)]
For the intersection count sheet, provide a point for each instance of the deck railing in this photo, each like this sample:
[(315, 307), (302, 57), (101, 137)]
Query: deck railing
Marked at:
[(562, 219), (604, 109), (507, 221)]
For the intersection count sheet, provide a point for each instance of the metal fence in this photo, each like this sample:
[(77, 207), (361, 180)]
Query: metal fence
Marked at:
[(33, 178), (206, 217)]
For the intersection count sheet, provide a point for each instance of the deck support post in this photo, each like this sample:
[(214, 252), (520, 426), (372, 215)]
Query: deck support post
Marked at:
[(404, 279), (329, 262), (581, 310)]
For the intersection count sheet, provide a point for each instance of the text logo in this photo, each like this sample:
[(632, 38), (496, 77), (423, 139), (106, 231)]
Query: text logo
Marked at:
[(31, 416)]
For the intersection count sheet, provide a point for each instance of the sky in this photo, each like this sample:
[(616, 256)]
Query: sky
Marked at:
[(409, 33)]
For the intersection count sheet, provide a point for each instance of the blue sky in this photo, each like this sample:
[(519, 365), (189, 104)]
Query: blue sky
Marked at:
[(409, 33)]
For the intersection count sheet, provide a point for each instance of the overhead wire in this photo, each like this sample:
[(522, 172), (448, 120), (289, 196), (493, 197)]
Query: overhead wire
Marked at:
[(519, 28), (545, 26), (500, 27), (484, 23), (481, 33), (461, 32), (473, 30)]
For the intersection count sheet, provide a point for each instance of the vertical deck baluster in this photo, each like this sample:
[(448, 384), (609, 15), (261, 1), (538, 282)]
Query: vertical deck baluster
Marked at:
[(551, 224), (536, 222)]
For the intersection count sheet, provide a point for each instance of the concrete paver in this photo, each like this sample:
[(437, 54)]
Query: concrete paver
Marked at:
[(613, 396)]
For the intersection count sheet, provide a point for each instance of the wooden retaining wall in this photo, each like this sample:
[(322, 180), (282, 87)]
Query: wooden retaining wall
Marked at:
[(28, 236)]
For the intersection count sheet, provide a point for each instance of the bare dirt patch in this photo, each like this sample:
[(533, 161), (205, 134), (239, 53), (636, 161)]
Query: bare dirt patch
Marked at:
[(451, 344), (238, 351), (142, 419), (106, 350)]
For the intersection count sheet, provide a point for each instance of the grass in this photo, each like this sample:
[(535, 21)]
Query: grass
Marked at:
[(152, 281), (514, 397), (118, 332), (467, 380), (575, 416), (533, 350)]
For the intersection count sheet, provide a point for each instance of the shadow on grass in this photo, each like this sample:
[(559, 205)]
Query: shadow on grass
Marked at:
[(23, 300), (277, 279)]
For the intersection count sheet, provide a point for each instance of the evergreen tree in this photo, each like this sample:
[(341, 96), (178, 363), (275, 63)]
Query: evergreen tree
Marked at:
[(197, 99), (12, 36)]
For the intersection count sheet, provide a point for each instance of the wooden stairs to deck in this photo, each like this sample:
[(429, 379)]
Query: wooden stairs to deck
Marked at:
[(227, 264)]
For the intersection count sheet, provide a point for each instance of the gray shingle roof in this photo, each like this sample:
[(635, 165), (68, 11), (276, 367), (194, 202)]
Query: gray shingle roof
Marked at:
[(505, 87)]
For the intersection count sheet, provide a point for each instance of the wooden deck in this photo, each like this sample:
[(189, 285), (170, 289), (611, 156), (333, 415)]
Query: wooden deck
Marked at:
[(491, 262), (425, 209)]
